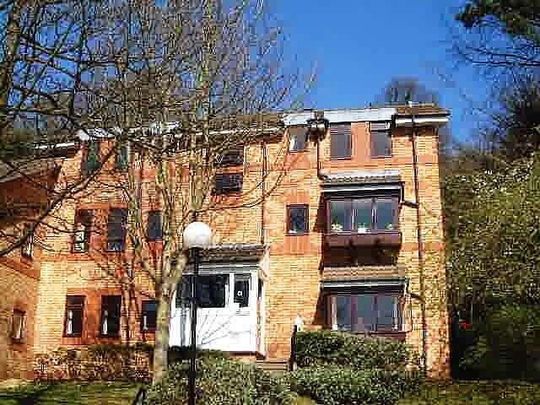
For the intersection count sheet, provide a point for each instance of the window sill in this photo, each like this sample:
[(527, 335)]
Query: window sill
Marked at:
[(341, 158), (298, 151), (368, 239), (297, 233), (382, 157)]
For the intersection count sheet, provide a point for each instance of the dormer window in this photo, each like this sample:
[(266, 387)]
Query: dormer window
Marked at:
[(381, 141)]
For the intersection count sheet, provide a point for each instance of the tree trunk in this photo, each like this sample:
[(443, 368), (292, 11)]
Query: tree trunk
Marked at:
[(161, 343)]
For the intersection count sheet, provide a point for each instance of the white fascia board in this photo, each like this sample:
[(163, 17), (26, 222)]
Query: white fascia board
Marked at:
[(56, 145), (420, 121), (336, 116)]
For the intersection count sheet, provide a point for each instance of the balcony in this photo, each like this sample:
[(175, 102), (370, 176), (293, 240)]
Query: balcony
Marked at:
[(346, 239)]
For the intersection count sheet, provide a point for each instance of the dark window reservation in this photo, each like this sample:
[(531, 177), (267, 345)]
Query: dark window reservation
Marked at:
[(340, 141), (228, 183), (154, 230), (297, 219), (297, 139), (241, 289), (363, 215), (27, 248), (73, 325), (121, 160), (149, 315), (368, 312), (91, 161), (381, 141), (83, 229), (17, 325), (110, 315), (116, 230)]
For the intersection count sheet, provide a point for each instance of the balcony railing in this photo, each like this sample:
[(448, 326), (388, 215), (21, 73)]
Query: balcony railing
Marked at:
[(391, 238)]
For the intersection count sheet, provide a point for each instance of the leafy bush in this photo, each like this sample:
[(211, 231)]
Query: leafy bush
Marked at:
[(221, 381), (508, 345), (317, 348), (344, 385), (98, 362)]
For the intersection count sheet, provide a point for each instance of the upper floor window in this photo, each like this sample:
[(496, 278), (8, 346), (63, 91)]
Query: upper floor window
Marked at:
[(91, 159), (297, 139), (228, 183), (340, 141), (381, 141), (297, 219), (18, 319), (110, 315), (149, 315), (370, 312), (121, 160), (370, 214), (83, 229), (233, 157), (154, 229), (27, 248), (73, 325), (116, 229)]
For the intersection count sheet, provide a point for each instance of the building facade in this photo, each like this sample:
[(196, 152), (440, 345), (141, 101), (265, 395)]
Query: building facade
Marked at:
[(341, 232)]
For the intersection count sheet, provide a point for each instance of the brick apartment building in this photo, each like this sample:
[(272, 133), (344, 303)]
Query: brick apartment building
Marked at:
[(347, 235)]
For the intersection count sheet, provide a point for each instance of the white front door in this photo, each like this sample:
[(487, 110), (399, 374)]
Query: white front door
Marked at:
[(226, 316)]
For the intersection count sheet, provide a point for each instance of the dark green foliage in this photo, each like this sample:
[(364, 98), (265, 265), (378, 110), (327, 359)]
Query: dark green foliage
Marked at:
[(316, 348), (507, 345), (345, 385), (221, 381), (181, 353)]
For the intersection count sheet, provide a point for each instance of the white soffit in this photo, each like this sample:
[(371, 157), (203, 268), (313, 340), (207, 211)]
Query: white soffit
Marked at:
[(335, 116), (419, 121)]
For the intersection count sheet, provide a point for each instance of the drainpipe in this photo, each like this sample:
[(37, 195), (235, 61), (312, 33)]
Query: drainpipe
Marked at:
[(264, 173), (419, 241)]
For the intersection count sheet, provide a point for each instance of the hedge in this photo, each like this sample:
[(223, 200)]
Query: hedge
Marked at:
[(318, 348), (221, 381), (344, 385)]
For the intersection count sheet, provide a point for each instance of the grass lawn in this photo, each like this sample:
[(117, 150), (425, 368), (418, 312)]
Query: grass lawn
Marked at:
[(476, 392), (71, 393)]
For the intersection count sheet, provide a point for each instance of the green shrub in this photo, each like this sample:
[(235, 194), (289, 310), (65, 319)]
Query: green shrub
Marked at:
[(344, 385), (317, 348), (181, 353), (221, 381)]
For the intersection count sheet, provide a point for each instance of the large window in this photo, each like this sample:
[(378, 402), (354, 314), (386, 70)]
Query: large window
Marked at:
[(226, 183), (83, 229), (149, 315), (297, 219), (110, 315), (233, 157), (73, 323), (212, 291), (381, 141), (18, 319), (91, 160), (116, 230), (368, 312), (340, 141), (363, 215), (297, 139)]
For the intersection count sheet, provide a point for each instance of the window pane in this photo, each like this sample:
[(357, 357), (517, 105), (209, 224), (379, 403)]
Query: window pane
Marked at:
[(233, 157), (28, 245), (74, 315), (362, 215), (228, 183), (343, 312), (340, 141), (297, 139), (154, 228), (385, 214), (149, 315), (116, 229), (110, 315), (183, 293), (241, 289), (83, 228), (122, 157), (92, 161), (388, 319), (17, 324), (212, 290), (381, 143), (298, 219), (340, 216), (366, 316)]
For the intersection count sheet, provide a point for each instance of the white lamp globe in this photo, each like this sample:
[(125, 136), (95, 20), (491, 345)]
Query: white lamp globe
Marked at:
[(197, 235)]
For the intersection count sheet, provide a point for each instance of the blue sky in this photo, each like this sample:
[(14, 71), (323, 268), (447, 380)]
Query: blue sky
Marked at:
[(357, 46)]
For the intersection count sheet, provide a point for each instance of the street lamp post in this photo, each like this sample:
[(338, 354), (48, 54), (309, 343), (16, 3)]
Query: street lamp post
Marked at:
[(197, 236)]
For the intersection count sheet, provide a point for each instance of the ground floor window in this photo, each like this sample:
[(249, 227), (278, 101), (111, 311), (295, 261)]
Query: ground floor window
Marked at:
[(366, 312), (73, 325), (149, 315), (110, 315)]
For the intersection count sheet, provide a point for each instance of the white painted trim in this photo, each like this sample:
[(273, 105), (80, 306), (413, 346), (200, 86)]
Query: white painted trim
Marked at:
[(407, 122), (335, 116)]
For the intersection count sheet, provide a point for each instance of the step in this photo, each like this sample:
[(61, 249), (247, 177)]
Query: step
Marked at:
[(273, 366)]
